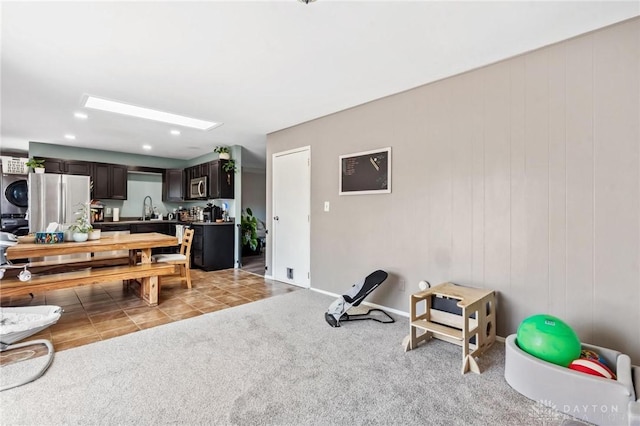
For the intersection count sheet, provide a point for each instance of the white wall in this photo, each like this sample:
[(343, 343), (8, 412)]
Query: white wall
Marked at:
[(523, 177)]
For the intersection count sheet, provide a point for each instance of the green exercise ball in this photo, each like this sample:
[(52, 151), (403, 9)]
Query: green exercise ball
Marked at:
[(549, 338)]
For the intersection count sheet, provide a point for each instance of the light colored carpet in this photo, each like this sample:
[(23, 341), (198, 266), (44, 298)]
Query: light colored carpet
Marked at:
[(273, 362)]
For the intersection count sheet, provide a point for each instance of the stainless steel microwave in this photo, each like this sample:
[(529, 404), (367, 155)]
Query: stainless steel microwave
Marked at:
[(198, 187)]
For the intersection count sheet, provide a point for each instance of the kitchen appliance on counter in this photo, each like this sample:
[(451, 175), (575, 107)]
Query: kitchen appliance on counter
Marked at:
[(211, 213), (97, 213), (217, 213)]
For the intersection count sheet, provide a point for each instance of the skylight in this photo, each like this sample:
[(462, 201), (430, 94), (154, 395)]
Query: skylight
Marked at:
[(148, 113)]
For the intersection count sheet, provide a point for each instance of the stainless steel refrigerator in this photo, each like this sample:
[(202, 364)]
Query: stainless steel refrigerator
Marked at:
[(55, 198)]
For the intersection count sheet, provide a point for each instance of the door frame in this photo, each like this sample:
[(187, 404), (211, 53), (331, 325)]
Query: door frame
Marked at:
[(273, 237)]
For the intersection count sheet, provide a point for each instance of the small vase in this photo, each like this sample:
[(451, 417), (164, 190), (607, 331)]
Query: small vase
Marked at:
[(224, 156), (80, 236), (39, 170)]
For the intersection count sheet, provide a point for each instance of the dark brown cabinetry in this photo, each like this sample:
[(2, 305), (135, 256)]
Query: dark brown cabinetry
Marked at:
[(197, 171), (212, 246), (109, 181), (173, 186), (221, 183), (82, 168), (68, 167)]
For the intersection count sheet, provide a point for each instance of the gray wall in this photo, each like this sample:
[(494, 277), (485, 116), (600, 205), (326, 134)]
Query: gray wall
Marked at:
[(253, 192), (38, 149), (522, 177)]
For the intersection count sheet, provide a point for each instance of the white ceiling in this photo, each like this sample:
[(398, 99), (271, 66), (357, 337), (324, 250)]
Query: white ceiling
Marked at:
[(256, 66)]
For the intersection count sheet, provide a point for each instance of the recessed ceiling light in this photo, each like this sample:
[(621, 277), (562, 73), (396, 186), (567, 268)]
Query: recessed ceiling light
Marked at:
[(175, 132), (71, 137), (146, 147), (148, 113), (80, 115)]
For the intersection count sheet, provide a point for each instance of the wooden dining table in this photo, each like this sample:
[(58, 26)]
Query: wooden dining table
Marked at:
[(141, 244)]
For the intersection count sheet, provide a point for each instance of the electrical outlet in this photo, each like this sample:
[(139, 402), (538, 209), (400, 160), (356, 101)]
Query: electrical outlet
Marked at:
[(401, 285), (108, 210)]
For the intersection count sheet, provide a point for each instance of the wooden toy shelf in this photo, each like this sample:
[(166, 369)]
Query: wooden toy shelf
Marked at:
[(469, 320)]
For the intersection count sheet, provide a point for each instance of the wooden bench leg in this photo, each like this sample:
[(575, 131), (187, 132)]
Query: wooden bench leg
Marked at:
[(149, 290)]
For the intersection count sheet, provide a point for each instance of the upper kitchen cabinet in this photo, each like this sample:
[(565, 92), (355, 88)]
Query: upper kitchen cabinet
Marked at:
[(198, 171), (109, 181), (173, 185), (67, 167), (221, 183)]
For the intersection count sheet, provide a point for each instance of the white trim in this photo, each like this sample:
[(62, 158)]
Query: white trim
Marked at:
[(307, 149), (358, 154), (499, 339), (292, 151)]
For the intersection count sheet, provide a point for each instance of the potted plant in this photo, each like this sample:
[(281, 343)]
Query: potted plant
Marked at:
[(82, 226), (35, 164), (249, 230), (223, 152), (229, 166)]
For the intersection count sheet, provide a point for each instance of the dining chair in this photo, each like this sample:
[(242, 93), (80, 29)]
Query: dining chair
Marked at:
[(183, 259)]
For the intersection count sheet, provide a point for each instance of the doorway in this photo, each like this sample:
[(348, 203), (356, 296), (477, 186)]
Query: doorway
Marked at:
[(254, 199), (291, 217)]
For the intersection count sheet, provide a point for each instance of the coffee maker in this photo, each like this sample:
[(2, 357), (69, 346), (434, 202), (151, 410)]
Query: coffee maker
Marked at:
[(217, 213), (97, 213), (207, 213)]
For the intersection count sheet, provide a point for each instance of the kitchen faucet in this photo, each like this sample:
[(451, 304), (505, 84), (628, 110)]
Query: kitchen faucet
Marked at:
[(144, 207)]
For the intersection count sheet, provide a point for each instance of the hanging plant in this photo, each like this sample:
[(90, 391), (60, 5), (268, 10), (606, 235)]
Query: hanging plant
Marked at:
[(229, 166)]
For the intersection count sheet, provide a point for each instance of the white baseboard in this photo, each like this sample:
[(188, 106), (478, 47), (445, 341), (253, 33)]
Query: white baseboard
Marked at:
[(385, 308), (373, 305)]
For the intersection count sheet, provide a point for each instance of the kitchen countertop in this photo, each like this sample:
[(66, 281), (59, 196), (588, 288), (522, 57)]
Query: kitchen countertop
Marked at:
[(129, 222), (211, 223)]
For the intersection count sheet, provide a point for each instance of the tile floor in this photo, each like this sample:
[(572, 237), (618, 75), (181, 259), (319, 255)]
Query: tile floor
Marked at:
[(100, 312)]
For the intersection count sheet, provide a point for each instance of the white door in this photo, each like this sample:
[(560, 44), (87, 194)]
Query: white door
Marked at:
[(291, 221)]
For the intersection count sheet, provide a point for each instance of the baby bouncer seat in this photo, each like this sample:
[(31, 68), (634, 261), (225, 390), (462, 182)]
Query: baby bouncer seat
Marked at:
[(357, 293), (18, 323)]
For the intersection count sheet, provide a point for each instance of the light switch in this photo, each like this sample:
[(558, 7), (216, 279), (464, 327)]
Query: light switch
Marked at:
[(326, 206), (108, 210)]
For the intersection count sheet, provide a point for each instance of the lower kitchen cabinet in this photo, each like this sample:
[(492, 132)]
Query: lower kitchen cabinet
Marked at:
[(161, 227), (212, 246)]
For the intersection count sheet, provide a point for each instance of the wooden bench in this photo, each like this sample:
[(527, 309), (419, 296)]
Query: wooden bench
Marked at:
[(40, 283), (66, 265)]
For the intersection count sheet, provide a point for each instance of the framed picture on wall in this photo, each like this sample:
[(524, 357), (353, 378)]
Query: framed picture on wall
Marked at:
[(367, 172)]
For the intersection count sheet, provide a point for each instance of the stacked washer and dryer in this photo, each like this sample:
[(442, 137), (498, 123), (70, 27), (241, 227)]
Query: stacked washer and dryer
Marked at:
[(14, 198)]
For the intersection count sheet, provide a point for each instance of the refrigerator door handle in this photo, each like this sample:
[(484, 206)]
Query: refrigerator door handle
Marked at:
[(63, 202)]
